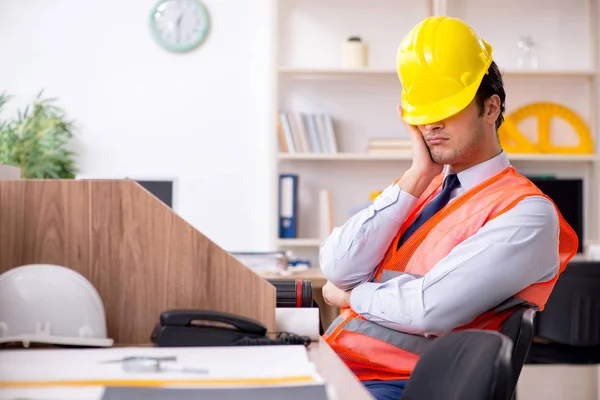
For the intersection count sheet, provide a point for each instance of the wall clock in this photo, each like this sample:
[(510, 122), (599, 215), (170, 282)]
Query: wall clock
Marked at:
[(179, 25)]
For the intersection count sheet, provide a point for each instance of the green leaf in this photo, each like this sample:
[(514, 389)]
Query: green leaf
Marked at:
[(37, 140)]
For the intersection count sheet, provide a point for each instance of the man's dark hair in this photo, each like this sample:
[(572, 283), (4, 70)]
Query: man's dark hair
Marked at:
[(491, 84)]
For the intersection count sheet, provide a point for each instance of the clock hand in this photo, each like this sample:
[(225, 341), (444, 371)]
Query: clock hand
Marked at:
[(179, 28)]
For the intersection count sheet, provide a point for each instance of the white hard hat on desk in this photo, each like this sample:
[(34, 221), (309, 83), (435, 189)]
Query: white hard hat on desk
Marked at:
[(50, 304)]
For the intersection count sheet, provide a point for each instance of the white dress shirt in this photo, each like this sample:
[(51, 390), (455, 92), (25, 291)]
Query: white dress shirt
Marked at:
[(509, 253)]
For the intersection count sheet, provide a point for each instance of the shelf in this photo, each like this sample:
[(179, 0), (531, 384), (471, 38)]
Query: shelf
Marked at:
[(548, 73), (553, 157), (335, 71), (299, 242), (343, 156), (408, 157), (341, 72), (313, 274)]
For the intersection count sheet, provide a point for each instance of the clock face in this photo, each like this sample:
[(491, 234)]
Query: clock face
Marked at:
[(179, 25)]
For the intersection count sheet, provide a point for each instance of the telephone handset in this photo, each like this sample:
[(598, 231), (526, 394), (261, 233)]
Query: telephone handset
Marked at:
[(197, 328)]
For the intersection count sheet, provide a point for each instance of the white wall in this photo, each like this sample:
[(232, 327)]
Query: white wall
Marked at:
[(204, 118)]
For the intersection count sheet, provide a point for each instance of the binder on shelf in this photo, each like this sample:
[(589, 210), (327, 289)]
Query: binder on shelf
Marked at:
[(326, 126), (288, 206), (287, 144), (283, 146), (314, 137), (299, 132)]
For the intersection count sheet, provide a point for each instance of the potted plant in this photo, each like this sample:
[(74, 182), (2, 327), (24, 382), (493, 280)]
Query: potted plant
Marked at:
[(37, 140)]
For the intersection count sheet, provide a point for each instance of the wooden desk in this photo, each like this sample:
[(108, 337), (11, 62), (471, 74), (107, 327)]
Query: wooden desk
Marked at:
[(336, 373), (315, 275)]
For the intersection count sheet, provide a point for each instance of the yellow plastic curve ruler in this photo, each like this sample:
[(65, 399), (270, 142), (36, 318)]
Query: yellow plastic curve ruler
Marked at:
[(514, 141), (160, 382)]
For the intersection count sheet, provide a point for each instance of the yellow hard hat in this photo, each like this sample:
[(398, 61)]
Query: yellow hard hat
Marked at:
[(441, 63)]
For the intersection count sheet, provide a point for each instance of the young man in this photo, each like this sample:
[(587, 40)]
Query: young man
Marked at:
[(442, 248)]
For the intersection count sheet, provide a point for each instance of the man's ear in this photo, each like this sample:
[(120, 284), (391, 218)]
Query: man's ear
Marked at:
[(492, 109)]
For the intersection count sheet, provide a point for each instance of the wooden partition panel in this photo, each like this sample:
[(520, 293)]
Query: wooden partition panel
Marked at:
[(141, 256)]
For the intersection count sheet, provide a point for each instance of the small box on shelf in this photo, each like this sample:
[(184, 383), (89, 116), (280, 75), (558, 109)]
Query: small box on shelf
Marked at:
[(389, 146)]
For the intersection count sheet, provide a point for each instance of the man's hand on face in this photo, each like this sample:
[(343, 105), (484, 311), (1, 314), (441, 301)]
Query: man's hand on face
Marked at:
[(336, 297), (423, 169)]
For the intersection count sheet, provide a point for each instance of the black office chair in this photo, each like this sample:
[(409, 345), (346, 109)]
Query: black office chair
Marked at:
[(468, 364), (519, 327), (568, 330)]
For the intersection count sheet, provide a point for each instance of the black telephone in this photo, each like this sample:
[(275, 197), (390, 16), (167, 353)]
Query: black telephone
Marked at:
[(197, 328)]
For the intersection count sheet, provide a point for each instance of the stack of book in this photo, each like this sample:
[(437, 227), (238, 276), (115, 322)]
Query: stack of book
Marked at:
[(389, 146), (306, 133), (263, 261)]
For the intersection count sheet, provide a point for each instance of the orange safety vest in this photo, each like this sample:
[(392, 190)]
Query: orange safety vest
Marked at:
[(372, 351)]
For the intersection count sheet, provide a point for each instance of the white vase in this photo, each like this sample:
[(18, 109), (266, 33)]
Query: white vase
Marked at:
[(354, 54)]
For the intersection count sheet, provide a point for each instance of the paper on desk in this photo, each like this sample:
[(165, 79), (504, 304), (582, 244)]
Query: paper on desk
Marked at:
[(227, 366), (288, 392), (53, 393)]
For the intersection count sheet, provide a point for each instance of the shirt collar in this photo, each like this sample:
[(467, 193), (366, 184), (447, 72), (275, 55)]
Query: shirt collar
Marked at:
[(471, 177)]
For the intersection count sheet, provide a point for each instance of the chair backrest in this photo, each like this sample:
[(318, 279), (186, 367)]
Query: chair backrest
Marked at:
[(519, 327), (468, 364), (571, 313)]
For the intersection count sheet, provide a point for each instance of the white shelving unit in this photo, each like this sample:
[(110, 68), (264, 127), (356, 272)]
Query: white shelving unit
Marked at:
[(299, 242), (363, 102), (561, 158), (344, 72)]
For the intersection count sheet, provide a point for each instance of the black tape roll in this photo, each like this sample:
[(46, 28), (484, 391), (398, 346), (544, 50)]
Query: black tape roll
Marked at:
[(293, 293)]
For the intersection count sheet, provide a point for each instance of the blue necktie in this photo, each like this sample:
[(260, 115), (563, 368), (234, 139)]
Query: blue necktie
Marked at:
[(450, 183)]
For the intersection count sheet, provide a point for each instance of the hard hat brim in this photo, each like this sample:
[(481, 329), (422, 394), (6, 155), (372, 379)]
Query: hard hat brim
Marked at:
[(27, 339), (445, 108)]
